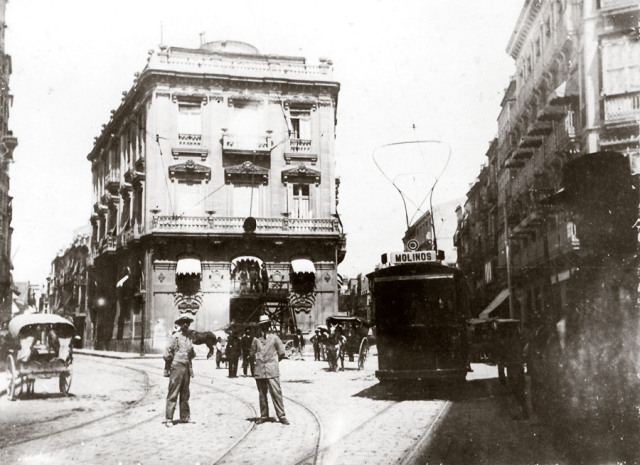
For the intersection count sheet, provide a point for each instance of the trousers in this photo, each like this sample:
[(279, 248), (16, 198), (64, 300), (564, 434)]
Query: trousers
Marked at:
[(272, 385), (248, 362), (179, 381)]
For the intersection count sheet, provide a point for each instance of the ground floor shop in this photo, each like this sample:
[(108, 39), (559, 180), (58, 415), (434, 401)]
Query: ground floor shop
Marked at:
[(138, 293)]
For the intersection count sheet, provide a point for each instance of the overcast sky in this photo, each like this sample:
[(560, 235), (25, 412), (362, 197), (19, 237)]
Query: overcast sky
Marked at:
[(438, 65)]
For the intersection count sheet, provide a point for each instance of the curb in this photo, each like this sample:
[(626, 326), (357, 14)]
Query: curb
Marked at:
[(117, 355)]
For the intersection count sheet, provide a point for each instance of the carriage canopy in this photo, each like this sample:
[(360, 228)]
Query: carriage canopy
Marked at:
[(20, 321)]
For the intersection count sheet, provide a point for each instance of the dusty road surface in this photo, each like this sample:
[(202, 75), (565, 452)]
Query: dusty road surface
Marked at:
[(115, 414)]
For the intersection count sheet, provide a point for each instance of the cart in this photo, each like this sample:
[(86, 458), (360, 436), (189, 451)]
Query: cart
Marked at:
[(40, 347), (358, 333)]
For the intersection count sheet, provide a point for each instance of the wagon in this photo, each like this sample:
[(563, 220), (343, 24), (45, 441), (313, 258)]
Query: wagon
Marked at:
[(40, 347), (358, 333)]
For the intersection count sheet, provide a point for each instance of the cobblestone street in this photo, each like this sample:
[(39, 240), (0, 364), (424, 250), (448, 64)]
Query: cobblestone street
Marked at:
[(117, 406)]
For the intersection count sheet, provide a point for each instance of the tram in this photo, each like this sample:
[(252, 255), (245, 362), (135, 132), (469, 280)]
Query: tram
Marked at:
[(421, 307)]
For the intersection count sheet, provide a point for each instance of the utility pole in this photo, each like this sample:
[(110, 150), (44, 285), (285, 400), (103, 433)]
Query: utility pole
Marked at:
[(507, 253)]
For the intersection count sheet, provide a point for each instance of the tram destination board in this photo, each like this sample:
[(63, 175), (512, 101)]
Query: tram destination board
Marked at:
[(398, 258)]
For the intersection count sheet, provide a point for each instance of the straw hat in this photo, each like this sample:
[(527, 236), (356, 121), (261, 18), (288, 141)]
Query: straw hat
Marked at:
[(264, 319), (184, 319)]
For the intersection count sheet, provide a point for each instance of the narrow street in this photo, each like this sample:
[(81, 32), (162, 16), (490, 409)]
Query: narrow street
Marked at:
[(114, 416)]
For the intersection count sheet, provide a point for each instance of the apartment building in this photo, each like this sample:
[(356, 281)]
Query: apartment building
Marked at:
[(215, 194)]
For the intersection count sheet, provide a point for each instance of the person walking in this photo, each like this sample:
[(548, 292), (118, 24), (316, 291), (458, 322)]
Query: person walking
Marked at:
[(301, 343), (315, 340), (219, 352), (267, 350), (247, 360), (178, 356), (233, 354)]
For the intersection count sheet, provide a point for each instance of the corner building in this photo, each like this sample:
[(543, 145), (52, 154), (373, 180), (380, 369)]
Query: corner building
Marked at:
[(215, 195)]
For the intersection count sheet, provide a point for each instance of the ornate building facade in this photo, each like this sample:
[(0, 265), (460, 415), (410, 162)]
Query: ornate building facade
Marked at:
[(215, 194), (7, 144), (575, 94), (547, 233)]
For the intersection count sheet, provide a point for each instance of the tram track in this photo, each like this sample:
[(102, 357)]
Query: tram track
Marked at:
[(251, 441), (129, 406)]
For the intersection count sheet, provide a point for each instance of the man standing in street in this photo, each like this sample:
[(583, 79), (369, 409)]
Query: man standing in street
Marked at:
[(267, 350), (178, 355), (247, 359), (233, 354)]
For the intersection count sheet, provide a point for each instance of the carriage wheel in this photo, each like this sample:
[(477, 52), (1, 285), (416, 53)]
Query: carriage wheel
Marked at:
[(65, 382), (364, 351), (288, 349), (14, 382)]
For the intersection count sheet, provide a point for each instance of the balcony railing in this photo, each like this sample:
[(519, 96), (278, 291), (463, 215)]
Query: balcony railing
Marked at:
[(271, 289), (619, 108), (299, 150), (300, 145), (233, 225), (233, 143), (189, 140), (608, 4), (130, 235), (108, 244)]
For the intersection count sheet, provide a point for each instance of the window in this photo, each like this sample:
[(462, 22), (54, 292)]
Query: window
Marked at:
[(620, 65), (247, 200), (299, 207), (188, 199), (189, 118), (300, 124)]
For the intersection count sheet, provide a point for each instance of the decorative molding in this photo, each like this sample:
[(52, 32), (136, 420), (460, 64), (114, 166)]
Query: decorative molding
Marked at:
[(190, 172), (189, 152), (301, 174), (246, 171)]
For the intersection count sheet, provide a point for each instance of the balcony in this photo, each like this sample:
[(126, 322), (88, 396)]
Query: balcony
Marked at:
[(618, 4), (275, 290), (189, 140), (522, 153), (112, 181), (130, 236), (530, 141), (233, 225), (108, 244), (299, 150), (623, 108), (552, 113), (540, 128), (234, 144)]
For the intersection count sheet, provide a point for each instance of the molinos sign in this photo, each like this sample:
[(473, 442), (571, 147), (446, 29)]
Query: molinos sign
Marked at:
[(398, 258)]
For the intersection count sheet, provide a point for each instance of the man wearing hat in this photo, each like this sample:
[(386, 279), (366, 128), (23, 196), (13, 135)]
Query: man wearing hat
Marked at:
[(267, 350), (178, 356)]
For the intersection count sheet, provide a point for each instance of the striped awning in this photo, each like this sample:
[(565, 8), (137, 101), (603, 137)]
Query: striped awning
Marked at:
[(302, 265), (187, 266)]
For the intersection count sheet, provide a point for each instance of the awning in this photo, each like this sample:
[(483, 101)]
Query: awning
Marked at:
[(302, 265), (565, 92), (188, 266), (495, 303)]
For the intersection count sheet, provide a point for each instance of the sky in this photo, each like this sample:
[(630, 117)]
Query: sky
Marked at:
[(408, 69)]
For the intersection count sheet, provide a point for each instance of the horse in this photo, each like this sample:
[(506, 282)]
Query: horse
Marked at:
[(204, 337)]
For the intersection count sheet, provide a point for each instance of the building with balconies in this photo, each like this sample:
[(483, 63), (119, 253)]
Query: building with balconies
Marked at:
[(215, 194), (574, 95), (67, 284), (7, 145)]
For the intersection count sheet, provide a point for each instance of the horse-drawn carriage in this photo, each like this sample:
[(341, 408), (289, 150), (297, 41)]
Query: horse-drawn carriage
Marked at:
[(40, 347), (358, 334)]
